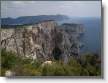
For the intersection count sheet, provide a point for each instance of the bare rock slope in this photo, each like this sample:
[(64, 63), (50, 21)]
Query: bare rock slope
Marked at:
[(43, 41)]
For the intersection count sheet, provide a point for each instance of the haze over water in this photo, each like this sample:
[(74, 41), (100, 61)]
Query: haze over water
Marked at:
[(92, 35)]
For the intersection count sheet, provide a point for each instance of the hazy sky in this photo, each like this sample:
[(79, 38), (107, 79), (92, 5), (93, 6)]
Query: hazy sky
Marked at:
[(31, 8)]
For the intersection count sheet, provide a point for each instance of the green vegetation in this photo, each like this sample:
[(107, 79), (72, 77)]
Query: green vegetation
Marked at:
[(87, 65)]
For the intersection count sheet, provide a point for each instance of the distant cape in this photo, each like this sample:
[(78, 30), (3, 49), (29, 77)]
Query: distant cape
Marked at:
[(31, 19)]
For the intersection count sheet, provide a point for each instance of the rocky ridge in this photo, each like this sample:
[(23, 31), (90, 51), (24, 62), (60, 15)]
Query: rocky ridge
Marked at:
[(43, 41)]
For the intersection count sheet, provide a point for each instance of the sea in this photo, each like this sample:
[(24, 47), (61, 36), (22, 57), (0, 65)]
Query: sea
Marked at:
[(92, 36)]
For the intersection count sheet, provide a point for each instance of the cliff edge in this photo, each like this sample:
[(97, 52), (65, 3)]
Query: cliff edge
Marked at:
[(43, 41)]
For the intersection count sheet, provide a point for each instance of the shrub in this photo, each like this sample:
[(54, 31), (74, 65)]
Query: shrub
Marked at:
[(87, 65), (91, 64), (26, 70), (48, 70), (9, 59)]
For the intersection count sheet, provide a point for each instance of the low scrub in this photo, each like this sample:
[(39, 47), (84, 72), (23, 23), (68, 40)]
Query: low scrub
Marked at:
[(87, 65)]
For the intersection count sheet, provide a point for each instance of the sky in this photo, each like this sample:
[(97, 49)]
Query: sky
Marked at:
[(16, 9)]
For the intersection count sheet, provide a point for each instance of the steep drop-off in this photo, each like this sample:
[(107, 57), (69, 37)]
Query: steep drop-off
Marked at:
[(43, 41)]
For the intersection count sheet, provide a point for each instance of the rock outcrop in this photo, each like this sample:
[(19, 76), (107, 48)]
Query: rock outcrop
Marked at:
[(44, 41)]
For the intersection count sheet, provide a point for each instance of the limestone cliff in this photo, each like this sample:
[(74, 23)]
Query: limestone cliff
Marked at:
[(45, 40)]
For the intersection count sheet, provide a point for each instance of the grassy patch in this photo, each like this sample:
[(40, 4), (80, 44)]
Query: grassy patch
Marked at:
[(87, 65)]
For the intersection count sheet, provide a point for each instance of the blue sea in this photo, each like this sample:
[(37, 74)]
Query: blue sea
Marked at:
[(92, 35)]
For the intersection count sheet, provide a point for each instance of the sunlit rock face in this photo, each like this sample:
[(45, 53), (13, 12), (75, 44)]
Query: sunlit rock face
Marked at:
[(43, 41)]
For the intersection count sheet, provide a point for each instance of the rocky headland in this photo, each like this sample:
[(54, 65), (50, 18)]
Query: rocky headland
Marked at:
[(43, 41)]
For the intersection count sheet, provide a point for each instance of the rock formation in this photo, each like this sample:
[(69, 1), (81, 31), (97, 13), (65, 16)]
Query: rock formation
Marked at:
[(43, 41)]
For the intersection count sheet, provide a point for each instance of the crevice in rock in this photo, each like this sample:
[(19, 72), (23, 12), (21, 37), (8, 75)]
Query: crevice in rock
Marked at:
[(56, 53)]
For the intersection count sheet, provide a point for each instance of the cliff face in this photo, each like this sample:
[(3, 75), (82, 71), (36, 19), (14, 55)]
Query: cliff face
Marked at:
[(43, 41)]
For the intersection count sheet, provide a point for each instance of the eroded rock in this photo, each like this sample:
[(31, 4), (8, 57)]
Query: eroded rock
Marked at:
[(43, 41)]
